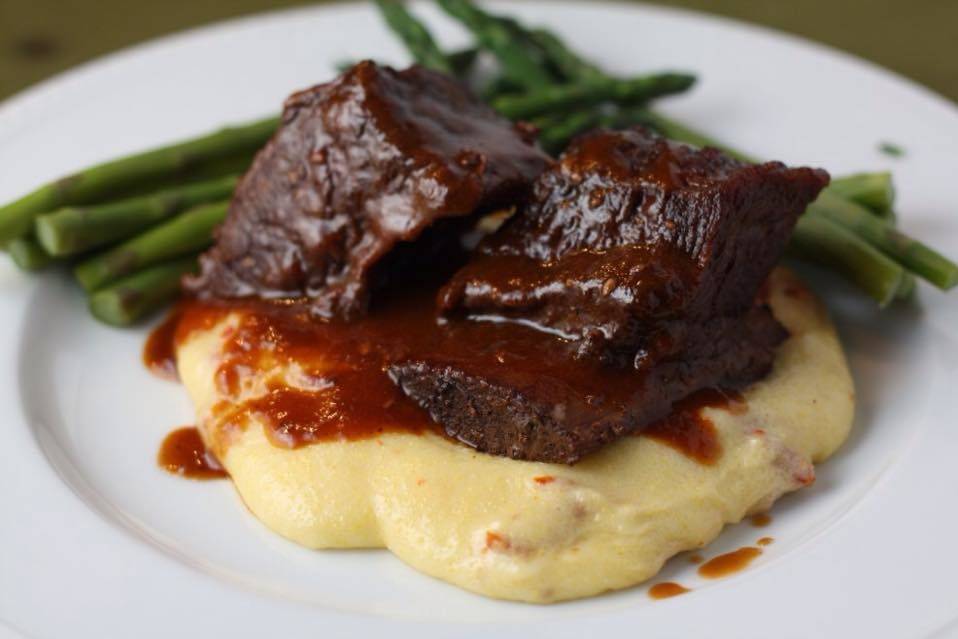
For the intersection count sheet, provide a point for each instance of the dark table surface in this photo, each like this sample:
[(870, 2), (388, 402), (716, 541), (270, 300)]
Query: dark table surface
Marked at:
[(918, 38)]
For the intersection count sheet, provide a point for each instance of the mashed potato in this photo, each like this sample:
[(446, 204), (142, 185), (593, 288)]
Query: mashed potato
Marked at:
[(531, 531)]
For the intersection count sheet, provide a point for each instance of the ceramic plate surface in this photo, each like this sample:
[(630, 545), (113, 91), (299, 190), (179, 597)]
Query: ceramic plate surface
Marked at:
[(96, 541)]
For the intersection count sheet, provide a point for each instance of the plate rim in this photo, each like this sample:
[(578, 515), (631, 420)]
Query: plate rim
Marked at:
[(25, 98)]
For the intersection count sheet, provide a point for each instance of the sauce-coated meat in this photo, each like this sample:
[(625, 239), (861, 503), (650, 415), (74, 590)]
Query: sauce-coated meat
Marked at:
[(632, 240), (643, 254), (368, 177)]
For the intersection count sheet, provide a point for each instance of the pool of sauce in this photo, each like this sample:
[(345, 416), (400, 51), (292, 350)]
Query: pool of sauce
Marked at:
[(729, 563), (183, 453), (343, 392), (667, 589)]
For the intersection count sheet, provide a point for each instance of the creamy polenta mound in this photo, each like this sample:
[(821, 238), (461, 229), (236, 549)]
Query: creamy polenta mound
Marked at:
[(532, 531)]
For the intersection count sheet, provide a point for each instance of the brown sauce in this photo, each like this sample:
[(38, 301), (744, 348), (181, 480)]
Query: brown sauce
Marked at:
[(159, 352), (667, 589), (343, 366), (688, 430), (696, 559), (729, 563), (765, 541), (760, 520), (183, 453)]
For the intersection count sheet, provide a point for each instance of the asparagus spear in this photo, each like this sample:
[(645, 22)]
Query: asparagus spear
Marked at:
[(518, 63), (921, 260), (75, 229), (572, 67), (141, 293), (907, 288), (463, 60), (498, 86), (183, 235), (414, 35), (556, 131), (28, 255), (105, 181), (564, 96), (819, 240), (874, 191)]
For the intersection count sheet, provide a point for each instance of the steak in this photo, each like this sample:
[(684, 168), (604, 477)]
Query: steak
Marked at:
[(368, 178), (644, 256)]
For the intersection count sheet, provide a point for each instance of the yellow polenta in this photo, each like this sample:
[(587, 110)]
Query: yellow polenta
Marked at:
[(489, 525)]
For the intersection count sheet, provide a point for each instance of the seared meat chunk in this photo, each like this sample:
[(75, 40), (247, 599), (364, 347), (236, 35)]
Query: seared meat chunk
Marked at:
[(631, 239), (646, 258), (564, 409), (361, 167)]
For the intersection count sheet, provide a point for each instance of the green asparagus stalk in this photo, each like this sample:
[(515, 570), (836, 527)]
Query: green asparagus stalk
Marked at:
[(188, 233), (556, 131), (498, 86), (463, 60), (28, 255), (142, 293), (76, 229), (920, 259), (103, 182), (566, 96), (819, 240), (570, 65), (414, 35), (518, 63), (907, 288), (874, 191)]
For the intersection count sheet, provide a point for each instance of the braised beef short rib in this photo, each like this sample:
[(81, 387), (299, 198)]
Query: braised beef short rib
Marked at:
[(369, 176), (643, 254)]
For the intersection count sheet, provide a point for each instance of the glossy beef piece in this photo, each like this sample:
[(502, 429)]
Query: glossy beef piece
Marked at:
[(631, 241), (642, 255), (360, 168), (523, 412)]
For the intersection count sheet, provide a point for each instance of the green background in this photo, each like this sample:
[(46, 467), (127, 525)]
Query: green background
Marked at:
[(918, 38)]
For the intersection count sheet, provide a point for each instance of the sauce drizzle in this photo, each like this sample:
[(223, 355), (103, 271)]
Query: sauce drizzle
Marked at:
[(343, 391), (729, 563), (760, 520), (688, 430), (159, 352), (183, 453), (667, 589)]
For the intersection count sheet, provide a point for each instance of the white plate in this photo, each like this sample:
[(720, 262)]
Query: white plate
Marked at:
[(96, 541)]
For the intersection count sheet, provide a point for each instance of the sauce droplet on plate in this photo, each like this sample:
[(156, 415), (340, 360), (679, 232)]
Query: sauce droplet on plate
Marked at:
[(183, 453), (765, 541), (729, 563), (667, 589), (760, 520)]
